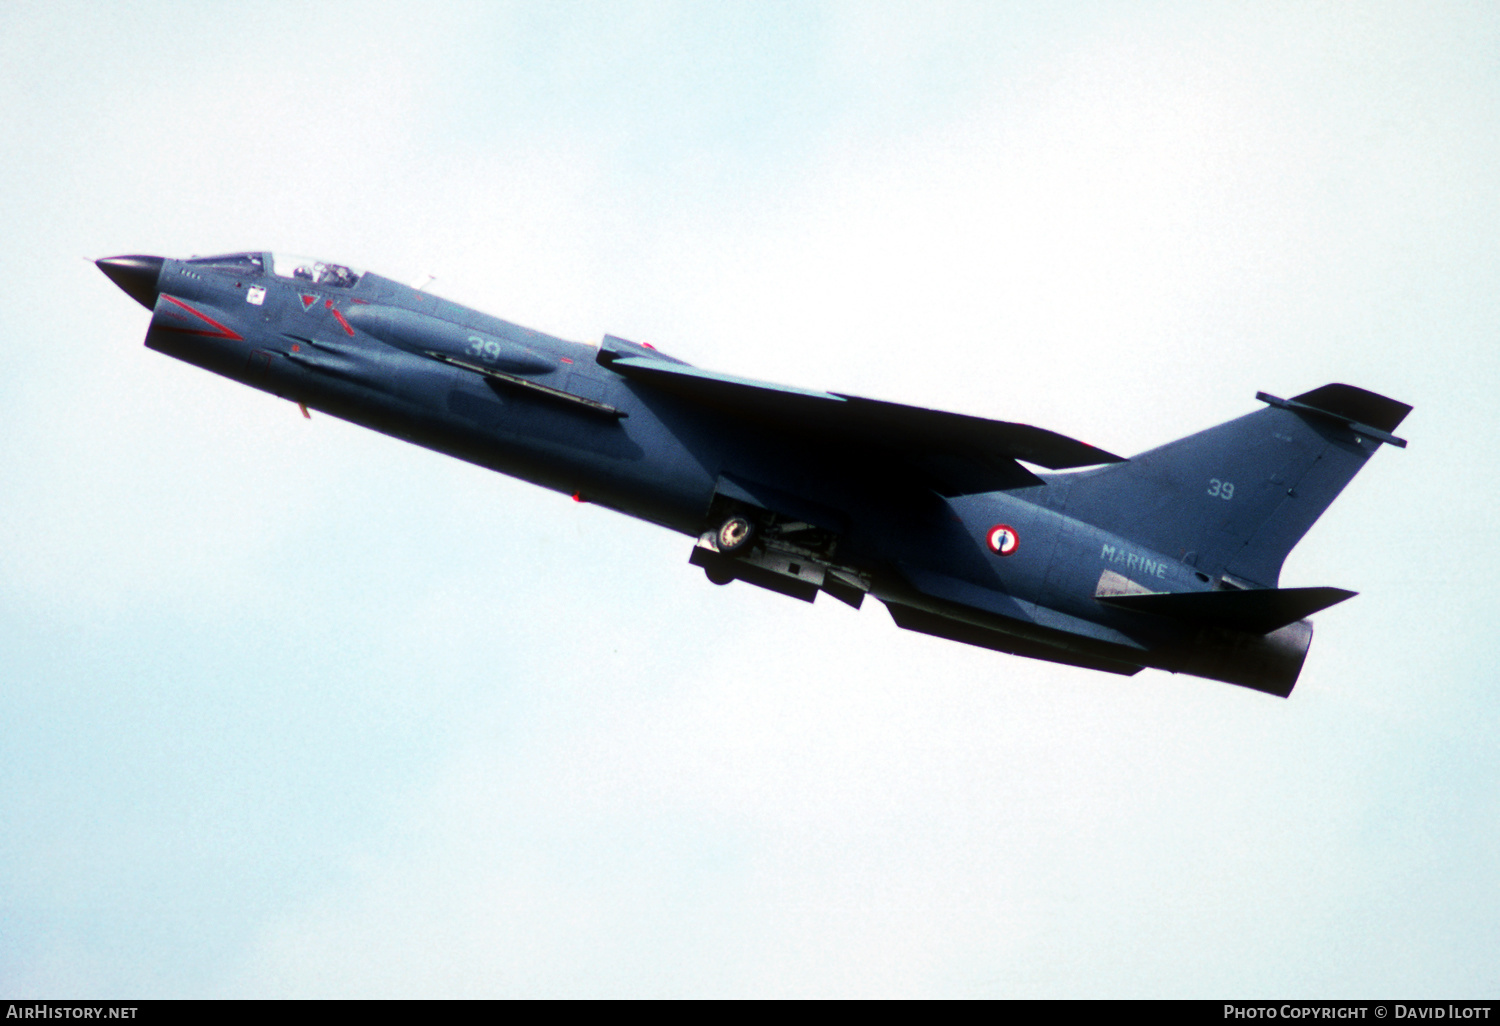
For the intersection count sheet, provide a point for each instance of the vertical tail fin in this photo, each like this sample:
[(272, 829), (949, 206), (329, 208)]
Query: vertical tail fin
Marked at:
[(1234, 499)]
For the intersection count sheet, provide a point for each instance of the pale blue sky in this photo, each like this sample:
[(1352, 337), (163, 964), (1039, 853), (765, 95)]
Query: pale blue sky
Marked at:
[(289, 708)]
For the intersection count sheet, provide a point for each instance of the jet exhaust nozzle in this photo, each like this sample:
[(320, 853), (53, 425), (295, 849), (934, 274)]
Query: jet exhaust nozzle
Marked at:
[(136, 276)]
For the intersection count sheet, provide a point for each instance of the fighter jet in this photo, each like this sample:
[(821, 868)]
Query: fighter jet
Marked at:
[(962, 526)]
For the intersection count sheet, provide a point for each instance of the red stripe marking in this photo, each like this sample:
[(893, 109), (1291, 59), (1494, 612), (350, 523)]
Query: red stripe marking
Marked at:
[(567, 359), (343, 323), (222, 332)]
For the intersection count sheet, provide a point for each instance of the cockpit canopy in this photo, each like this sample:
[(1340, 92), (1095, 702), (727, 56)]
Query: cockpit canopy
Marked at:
[(315, 272), (242, 263)]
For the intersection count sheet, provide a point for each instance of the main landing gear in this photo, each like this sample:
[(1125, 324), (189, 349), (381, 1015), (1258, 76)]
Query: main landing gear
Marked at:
[(777, 553), (735, 534), (732, 538)]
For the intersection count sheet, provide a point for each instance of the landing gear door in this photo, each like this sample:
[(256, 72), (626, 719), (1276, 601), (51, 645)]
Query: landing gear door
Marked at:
[(731, 490)]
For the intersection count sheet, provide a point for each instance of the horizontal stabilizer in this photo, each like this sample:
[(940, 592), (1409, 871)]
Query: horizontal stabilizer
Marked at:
[(893, 425), (1258, 611), (924, 622)]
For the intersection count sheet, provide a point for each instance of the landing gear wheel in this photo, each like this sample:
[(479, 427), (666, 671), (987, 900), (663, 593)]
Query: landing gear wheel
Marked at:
[(734, 534)]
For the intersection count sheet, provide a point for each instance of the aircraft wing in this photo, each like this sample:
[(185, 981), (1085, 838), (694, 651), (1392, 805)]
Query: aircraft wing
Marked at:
[(886, 424)]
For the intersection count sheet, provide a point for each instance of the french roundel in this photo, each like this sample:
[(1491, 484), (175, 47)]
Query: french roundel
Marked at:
[(1003, 539)]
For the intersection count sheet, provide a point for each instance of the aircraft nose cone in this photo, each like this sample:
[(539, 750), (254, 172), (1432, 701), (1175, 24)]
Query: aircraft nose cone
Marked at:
[(136, 276)]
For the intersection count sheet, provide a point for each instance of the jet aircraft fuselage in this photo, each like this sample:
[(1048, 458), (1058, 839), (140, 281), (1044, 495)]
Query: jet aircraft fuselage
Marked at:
[(1170, 560)]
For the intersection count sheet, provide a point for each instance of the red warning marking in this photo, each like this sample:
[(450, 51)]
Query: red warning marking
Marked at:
[(340, 318), (296, 347), (1002, 539), (647, 345), (220, 330), (308, 301), (578, 497), (567, 359)]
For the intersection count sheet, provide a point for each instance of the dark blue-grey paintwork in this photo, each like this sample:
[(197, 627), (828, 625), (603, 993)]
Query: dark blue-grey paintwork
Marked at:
[(1169, 560)]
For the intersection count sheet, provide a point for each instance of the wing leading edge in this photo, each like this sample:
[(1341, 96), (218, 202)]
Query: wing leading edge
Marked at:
[(886, 424)]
